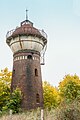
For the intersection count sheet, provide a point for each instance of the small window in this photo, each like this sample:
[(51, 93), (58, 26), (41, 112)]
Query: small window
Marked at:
[(37, 98), (36, 72), (25, 57), (18, 58), (21, 57), (13, 71), (29, 56)]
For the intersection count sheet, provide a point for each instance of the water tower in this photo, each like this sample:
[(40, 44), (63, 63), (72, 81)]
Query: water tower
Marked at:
[(28, 45)]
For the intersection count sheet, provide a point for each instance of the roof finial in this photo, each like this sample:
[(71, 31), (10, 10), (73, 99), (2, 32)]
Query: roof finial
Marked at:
[(26, 14)]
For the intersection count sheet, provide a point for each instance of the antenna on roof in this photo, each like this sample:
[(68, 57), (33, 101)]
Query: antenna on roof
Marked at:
[(26, 21), (26, 14)]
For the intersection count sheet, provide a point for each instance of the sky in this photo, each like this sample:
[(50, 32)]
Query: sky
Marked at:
[(60, 19)]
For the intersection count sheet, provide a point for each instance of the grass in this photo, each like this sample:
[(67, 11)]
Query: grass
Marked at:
[(62, 113), (33, 115)]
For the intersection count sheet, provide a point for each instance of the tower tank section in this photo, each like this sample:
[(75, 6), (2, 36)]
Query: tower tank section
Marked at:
[(27, 44)]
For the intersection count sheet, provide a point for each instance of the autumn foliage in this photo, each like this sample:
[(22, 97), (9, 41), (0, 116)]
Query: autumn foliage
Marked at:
[(51, 96), (7, 100), (69, 88), (5, 81), (63, 101)]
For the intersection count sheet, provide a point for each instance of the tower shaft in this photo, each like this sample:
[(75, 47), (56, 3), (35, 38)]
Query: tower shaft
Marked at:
[(27, 77)]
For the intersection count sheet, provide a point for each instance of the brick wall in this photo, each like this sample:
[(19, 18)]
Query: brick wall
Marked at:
[(27, 76)]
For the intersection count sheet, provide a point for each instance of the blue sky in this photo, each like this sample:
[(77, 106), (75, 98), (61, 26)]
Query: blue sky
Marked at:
[(61, 21)]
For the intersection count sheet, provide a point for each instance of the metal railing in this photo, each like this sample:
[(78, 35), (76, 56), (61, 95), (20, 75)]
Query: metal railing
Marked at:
[(43, 33), (9, 33)]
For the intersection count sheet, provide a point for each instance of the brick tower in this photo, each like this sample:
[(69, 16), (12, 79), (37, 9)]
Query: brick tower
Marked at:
[(28, 45)]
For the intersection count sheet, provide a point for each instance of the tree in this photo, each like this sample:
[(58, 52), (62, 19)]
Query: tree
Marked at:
[(5, 81), (69, 88), (8, 100), (51, 96)]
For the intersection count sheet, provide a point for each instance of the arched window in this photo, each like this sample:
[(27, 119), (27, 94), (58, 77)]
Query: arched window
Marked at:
[(36, 72), (37, 98), (29, 56)]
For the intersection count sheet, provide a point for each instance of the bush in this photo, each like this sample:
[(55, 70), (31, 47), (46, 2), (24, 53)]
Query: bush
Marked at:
[(14, 102), (69, 111)]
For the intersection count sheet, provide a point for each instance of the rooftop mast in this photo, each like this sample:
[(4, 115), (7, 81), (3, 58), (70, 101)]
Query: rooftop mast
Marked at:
[(26, 15)]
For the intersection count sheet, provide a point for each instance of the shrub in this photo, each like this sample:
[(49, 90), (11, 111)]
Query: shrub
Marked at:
[(14, 102)]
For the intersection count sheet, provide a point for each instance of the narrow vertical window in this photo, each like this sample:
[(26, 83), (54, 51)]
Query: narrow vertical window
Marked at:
[(36, 72), (37, 98), (13, 71)]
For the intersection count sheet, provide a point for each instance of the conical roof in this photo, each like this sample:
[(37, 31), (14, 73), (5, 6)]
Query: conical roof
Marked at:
[(26, 29)]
